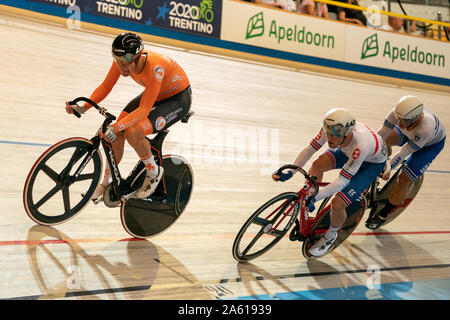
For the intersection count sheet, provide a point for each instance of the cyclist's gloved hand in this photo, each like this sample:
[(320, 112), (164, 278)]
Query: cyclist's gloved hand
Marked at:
[(385, 174), (283, 176), (111, 133), (309, 203), (75, 107)]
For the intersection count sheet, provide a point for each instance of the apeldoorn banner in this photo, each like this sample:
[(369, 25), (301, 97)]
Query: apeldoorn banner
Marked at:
[(398, 52), (367, 47), (200, 17), (284, 31)]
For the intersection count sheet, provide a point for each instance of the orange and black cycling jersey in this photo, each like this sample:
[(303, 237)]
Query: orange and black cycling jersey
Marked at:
[(162, 78)]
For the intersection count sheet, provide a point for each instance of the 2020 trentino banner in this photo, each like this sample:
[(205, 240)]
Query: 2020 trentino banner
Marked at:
[(200, 17)]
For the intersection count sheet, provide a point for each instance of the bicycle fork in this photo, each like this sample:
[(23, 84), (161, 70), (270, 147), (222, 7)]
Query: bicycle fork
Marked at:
[(285, 214), (82, 165), (116, 177)]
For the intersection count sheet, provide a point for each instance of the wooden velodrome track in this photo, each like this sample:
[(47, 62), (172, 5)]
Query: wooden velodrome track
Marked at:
[(276, 110)]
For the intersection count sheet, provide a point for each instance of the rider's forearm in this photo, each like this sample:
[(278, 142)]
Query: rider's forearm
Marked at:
[(336, 186), (399, 156), (145, 105), (388, 125), (385, 130), (303, 157), (102, 91)]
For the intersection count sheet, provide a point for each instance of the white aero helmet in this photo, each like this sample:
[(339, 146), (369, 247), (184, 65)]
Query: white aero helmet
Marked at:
[(338, 122), (408, 108)]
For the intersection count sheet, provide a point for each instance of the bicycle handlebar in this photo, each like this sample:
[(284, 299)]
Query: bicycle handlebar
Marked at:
[(109, 117), (101, 110), (305, 174)]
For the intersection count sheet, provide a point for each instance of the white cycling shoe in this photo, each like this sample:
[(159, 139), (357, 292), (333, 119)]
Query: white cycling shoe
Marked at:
[(97, 196), (322, 246), (149, 185)]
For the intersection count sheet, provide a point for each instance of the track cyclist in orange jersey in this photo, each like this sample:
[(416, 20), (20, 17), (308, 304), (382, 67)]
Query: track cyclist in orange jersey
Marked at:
[(165, 100), (354, 148)]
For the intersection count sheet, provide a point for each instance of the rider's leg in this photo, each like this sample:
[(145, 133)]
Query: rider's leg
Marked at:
[(345, 197), (118, 147), (396, 195), (135, 136), (325, 162), (395, 138), (164, 114), (338, 216), (415, 166)]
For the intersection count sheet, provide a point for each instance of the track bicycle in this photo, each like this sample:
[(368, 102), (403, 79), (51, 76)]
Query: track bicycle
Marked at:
[(270, 222), (377, 195), (73, 166)]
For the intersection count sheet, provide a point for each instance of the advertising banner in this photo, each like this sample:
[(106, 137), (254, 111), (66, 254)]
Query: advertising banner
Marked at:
[(398, 52), (284, 31), (200, 17), (314, 40), (62, 3)]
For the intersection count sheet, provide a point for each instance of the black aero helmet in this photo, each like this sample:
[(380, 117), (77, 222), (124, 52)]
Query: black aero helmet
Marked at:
[(126, 47)]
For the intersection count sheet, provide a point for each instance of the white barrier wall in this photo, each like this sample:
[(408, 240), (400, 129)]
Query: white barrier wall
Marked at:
[(322, 38)]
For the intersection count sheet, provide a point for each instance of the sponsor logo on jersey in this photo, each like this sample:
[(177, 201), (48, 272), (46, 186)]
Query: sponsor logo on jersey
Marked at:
[(160, 123), (159, 73), (177, 78), (356, 153)]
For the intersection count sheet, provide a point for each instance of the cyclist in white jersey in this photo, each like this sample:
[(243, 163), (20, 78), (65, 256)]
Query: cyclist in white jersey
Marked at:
[(422, 136), (357, 150)]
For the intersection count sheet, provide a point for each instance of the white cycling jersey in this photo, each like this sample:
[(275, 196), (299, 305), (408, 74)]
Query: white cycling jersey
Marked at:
[(428, 132), (364, 146)]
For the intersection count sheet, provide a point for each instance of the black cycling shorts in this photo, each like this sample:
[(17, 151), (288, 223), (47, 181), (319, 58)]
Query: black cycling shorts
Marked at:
[(165, 112)]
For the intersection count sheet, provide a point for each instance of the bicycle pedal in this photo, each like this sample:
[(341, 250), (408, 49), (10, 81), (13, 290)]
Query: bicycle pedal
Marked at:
[(293, 235), (128, 196), (97, 201), (375, 222), (296, 236)]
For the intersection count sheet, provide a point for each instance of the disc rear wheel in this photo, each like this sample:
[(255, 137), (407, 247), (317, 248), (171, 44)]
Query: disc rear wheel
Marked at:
[(380, 199), (355, 212)]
